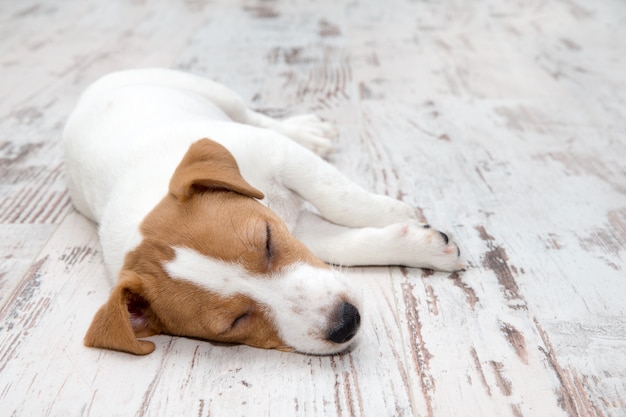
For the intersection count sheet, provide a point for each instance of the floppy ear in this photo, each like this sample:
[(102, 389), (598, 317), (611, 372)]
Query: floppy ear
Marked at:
[(208, 165), (126, 316)]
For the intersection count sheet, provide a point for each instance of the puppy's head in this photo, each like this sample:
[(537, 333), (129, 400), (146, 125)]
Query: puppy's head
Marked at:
[(216, 264)]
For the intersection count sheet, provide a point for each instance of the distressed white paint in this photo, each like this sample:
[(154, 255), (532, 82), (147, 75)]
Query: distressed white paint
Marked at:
[(503, 122)]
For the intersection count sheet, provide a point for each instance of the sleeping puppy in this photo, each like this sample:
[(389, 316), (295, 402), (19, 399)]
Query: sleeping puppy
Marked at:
[(199, 202)]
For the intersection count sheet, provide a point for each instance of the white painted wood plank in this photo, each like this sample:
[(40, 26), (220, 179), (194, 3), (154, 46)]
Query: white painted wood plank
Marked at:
[(20, 244), (501, 122), (455, 133)]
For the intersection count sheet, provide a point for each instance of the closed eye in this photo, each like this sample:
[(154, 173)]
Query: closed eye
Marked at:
[(269, 249), (239, 321)]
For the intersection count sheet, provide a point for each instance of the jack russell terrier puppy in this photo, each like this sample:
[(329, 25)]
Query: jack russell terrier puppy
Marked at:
[(208, 237)]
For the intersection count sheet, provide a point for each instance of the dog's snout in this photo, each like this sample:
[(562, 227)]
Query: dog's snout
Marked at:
[(345, 323)]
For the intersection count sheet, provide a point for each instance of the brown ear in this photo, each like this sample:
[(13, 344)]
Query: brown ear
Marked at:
[(123, 318), (208, 165)]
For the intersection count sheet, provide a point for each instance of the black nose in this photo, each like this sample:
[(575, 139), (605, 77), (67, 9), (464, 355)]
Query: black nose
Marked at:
[(345, 323)]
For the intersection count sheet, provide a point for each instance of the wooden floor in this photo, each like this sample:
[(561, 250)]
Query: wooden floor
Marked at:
[(502, 122)]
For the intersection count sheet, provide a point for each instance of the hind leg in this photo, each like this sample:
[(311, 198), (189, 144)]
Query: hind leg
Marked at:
[(309, 130)]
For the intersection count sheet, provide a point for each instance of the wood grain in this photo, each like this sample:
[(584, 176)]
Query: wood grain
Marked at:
[(502, 123)]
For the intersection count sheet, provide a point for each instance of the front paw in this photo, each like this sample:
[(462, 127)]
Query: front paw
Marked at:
[(424, 247)]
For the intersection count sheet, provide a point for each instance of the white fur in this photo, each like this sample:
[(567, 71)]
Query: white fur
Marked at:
[(130, 130), (299, 298), (133, 127)]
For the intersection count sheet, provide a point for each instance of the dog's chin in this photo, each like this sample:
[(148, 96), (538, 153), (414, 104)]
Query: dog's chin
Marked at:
[(336, 350), (344, 349)]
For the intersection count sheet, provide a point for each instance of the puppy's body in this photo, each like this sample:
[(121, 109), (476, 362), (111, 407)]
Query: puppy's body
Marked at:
[(129, 133), (124, 145)]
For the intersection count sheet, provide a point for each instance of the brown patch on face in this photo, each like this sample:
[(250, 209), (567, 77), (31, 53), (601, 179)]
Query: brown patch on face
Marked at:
[(144, 305), (212, 211)]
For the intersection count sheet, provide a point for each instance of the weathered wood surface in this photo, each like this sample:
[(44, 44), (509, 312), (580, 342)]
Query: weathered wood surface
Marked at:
[(503, 121)]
